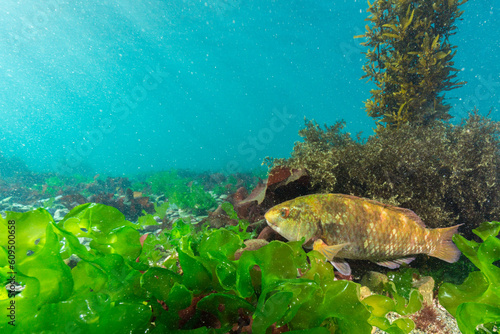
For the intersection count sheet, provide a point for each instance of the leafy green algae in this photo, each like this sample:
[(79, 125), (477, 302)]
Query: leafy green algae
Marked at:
[(117, 286), (56, 298), (181, 191), (476, 303)]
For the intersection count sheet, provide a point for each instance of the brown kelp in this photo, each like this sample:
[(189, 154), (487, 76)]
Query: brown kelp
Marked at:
[(446, 174), (410, 60)]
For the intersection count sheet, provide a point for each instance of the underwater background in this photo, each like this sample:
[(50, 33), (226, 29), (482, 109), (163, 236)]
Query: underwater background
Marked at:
[(256, 167), (120, 87)]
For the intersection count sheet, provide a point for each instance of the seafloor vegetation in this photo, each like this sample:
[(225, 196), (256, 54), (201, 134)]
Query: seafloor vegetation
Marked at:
[(181, 252), (193, 277), (177, 270)]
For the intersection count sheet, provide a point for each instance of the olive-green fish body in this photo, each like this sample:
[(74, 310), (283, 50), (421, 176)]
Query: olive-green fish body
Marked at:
[(349, 227)]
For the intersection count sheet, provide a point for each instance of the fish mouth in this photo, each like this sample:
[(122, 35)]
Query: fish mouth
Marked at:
[(273, 226), (267, 218)]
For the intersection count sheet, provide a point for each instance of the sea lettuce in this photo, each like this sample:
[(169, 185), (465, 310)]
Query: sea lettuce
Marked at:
[(325, 301), (181, 191), (476, 302), (381, 305), (38, 265), (184, 280), (100, 294)]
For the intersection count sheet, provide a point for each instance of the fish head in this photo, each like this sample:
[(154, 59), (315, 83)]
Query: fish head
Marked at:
[(294, 219)]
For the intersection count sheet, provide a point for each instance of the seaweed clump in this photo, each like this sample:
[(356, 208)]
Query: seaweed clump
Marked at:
[(184, 280), (410, 60), (182, 191), (447, 174), (476, 303)]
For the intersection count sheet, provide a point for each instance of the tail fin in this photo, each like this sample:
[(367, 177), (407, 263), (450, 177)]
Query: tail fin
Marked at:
[(445, 248)]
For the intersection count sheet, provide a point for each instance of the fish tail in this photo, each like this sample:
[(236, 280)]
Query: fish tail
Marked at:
[(445, 249)]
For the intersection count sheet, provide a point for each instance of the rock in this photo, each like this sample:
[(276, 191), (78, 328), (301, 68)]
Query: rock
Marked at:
[(184, 214), (425, 286), (6, 200), (219, 218), (58, 206), (85, 241), (20, 208), (152, 228), (374, 280), (158, 199), (72, 261), (267, 233), (53, 209), (59, 214), (5, 203), (364, 292)]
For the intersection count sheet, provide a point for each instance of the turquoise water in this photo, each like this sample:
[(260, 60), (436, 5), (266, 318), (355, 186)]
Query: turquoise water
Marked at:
[(128, 86)]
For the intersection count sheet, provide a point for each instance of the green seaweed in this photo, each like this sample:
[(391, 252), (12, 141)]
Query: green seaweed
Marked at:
[(182, 191), (403, 280), (476, 302), (405, 301), (441, 272), (242, 227), (97, 295), (149, 219), (50, 185), (184, 280)]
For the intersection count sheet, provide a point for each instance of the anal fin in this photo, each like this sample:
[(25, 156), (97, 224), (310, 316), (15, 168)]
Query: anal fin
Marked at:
[(393, 264)]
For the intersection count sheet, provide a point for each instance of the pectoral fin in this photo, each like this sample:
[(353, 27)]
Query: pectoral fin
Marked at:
[(328, 251)]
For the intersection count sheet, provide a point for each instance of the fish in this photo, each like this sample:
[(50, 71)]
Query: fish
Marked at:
[(344, 227)]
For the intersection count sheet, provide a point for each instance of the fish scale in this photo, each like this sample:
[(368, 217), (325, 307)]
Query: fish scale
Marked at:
[(375, 235), (349, 227)]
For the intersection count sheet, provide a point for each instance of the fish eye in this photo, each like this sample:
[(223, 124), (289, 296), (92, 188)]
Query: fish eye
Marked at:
[(284, 212)]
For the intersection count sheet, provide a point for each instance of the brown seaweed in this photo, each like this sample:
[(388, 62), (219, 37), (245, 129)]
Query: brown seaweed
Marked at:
[(447, 174)]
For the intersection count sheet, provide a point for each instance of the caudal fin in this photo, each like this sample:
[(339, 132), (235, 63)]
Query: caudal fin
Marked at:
[(445, 248)]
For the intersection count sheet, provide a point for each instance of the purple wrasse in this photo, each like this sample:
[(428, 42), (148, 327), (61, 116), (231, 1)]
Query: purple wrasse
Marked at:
[(349, 227)]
